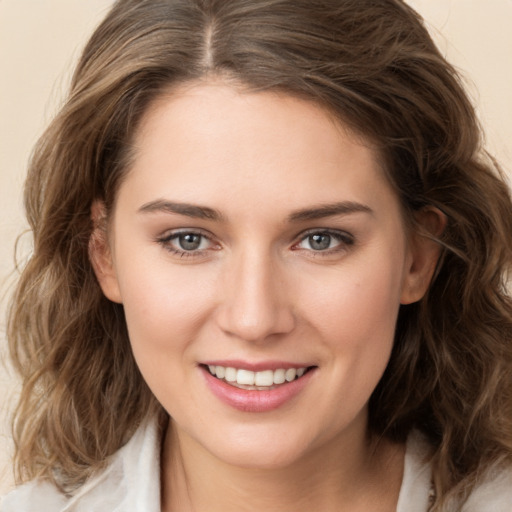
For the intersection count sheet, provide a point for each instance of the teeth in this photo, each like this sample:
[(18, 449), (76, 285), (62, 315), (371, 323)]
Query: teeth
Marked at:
[(259, 380), (290, 374), (265, 378), (279, 377), (230, 375), (245, 377)]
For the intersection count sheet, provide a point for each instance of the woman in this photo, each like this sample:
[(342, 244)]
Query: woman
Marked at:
[(268, 271)]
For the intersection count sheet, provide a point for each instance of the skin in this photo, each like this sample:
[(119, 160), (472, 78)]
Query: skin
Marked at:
[(258, 290)]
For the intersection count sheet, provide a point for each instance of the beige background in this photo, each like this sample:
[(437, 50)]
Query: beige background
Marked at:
[(41, 39)]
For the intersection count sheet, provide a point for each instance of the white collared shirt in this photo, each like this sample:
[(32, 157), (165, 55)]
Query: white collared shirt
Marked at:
[(131, 483)]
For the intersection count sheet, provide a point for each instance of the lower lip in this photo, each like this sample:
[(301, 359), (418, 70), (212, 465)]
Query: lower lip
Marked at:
[(253, 400)]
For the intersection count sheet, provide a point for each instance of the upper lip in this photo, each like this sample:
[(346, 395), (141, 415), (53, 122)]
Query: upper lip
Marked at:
[(255, 366)]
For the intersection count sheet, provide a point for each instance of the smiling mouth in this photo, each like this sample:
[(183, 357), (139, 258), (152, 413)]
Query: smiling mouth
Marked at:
[(262, 380)]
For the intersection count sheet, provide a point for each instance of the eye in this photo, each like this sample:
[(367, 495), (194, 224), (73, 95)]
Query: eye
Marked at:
[(190, 241), (186, 243), (318, 242), (324, 241)]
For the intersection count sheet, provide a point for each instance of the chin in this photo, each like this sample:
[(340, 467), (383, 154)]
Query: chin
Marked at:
[(259, 451), (262, 460)]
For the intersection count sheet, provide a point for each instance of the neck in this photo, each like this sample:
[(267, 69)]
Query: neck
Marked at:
[(351, 473)]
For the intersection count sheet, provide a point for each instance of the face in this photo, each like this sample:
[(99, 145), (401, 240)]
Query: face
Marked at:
[(257, 239)]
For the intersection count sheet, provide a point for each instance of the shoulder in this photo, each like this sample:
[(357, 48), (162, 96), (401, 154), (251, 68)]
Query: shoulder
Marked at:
[(130, 482), (35, 496), (494, 494), (416, 482)]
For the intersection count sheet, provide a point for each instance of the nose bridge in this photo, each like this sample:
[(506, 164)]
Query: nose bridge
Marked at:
[(255, 304)]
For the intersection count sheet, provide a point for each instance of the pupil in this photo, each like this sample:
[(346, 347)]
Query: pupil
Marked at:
[(190, 241), (320, 242)]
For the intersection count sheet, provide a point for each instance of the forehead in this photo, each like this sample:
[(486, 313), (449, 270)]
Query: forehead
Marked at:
[(217, 143)]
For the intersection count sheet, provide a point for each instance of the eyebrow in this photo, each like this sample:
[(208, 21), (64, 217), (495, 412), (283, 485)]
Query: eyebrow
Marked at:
[(187, 209), (329, 210), (207, 213)]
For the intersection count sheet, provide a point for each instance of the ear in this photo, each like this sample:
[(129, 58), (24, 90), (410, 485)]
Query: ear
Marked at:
[(100, 253), (424, 252)]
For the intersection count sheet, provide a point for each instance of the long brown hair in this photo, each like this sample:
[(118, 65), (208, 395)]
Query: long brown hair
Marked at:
[(372, 64)]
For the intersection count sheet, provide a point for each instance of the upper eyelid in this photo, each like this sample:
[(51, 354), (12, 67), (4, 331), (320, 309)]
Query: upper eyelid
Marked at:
[(169, 233), (345, 242), (168, 238), (330, 231), (339, 233)]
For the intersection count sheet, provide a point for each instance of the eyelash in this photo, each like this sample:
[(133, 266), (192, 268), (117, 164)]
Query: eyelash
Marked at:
[(343, 238), (166, 242)]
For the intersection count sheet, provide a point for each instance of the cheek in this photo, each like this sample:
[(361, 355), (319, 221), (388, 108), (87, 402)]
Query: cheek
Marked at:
[(355, 312), (355, 318), (163, 302), (360, 303), (165, 310)]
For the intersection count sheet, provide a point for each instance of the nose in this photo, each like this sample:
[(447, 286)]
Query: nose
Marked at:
[(255, 303)]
